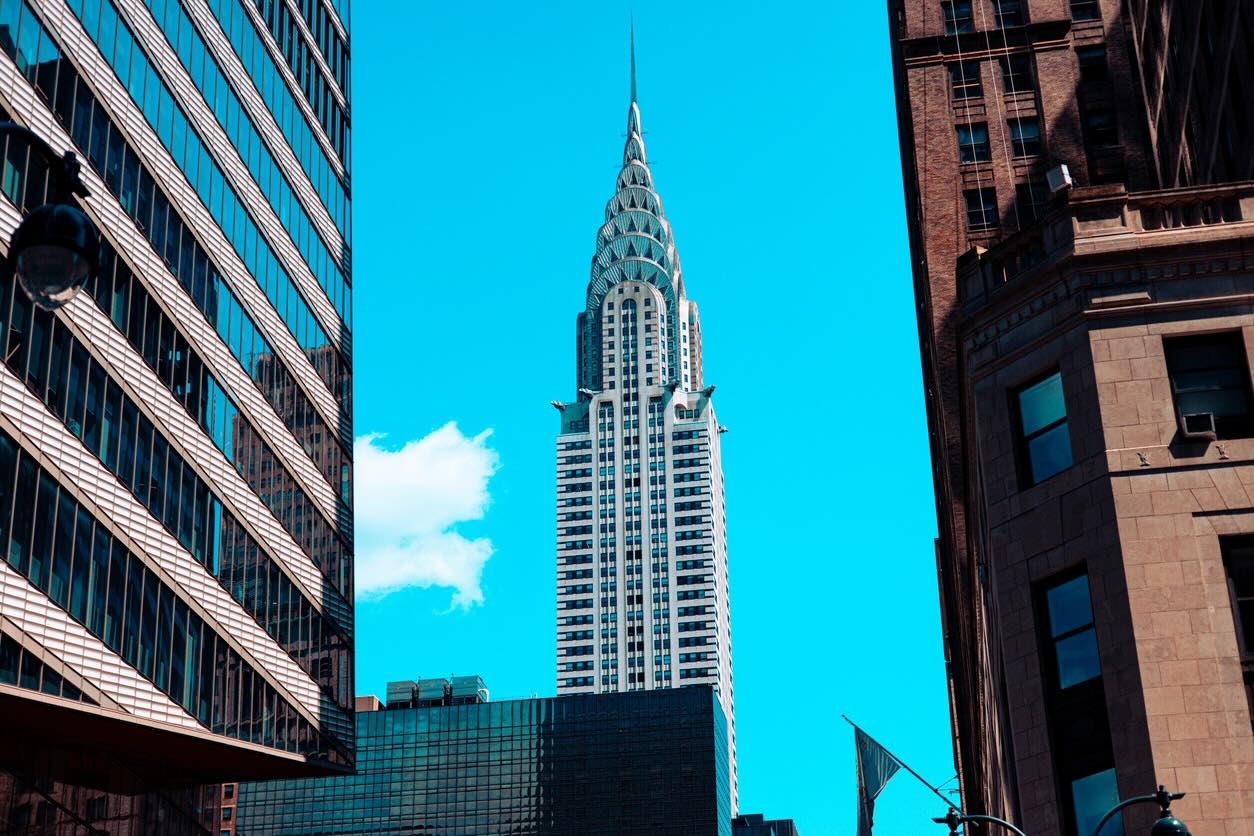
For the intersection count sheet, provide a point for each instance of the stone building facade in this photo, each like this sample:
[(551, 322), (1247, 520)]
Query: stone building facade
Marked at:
[(1091, 568)]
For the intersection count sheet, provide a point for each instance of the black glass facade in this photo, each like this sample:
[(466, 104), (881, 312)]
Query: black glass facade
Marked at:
[(640, 762)]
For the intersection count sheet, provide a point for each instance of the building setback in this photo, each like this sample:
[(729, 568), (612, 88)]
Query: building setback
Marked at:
[(642, 592), (175, 476), (641, 762), (1086, 350), (755, 824)]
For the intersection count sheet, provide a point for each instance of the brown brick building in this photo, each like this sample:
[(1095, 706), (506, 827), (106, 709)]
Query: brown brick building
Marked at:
[(1097, 583)]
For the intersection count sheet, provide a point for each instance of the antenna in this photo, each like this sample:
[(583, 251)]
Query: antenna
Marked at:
[(633, 56)]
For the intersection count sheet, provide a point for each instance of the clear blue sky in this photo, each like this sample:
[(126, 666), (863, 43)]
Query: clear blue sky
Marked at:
[(487, 138)]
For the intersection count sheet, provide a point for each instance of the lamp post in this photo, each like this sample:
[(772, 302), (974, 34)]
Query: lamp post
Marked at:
[(1167, 824), (56, 248), (954, 819)]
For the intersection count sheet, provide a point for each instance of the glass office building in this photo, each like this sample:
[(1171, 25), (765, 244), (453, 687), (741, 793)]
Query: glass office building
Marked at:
[(641, 762), (175, 474)]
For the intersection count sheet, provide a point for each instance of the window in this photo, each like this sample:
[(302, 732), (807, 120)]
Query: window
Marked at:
[(1210, 373), (1030, 200), (1084, 10), (958, 17), (1092, 63), (981, 209), (1009, 13), (964, 80), (1025, 137), (1091, 797), (973, 143), (1044, 441), (1075, 701), (1071, 635), (1239, 563), (1016, 73), (1100, 127), (227, 812)]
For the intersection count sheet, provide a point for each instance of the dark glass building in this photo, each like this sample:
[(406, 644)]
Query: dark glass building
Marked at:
[(175, 476), (639, 761), (755, 824)]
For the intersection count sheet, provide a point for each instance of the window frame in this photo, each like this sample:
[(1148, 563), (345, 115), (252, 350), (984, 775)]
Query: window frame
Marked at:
[(1085, 6), (1021, 148), (1023, 456), (1009, 73), (955, 25), (966, 87), (983, 209), (1237, 339), (980, 150)]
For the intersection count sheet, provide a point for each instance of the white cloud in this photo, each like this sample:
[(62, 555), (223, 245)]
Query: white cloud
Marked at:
[(408, 503)]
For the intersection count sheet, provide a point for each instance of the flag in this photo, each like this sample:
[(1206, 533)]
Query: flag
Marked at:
[(875, 767)]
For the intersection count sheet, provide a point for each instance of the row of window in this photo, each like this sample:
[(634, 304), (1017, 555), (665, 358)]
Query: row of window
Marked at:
[(63, 550), (57, 368), (150, 93), (1016, 76), (127, 303), (1209, 375), (20, 667), (100, 141), (1025, 139), (265, 73), (959, 17), (208, 77), (982, 209)]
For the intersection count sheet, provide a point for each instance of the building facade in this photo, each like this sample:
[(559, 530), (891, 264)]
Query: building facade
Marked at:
[(1084, 343), (755, 824), (175, 474), (641, 762), (642, 590)]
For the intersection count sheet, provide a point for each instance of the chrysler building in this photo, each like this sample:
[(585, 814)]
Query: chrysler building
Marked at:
[(642, 597)]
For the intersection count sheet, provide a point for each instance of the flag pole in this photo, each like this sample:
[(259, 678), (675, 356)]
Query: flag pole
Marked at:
[(904, 766)]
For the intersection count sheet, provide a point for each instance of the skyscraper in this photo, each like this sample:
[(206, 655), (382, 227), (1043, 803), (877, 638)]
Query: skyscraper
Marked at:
[(641, 533), (175, 477), (1077, 187)]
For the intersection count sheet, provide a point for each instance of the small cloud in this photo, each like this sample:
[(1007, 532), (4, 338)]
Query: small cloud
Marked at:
[(408, 504)]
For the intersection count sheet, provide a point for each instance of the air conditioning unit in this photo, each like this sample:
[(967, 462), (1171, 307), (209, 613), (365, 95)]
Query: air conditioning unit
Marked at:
[(1058, 178), (1198, 426)]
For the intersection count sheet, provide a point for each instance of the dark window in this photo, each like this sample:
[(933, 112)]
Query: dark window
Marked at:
[(1084, 10), (958, 17), (1239, 561), (973, 143), (1076, 704), (1009, 13), (1092, 63), (1100, 127), (1044, 441), (1091, 796), (1071, 635), (1030, 200), (1025, 137), (981, 209), (964, 79), (1016, 73), (1210, 373)]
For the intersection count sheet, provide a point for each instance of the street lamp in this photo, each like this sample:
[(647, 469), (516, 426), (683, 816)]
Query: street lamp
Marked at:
[(56, 248), (954, 819), (1167, 824)]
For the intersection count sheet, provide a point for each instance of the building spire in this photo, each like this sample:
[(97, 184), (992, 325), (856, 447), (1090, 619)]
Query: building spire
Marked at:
[(632, 25)]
